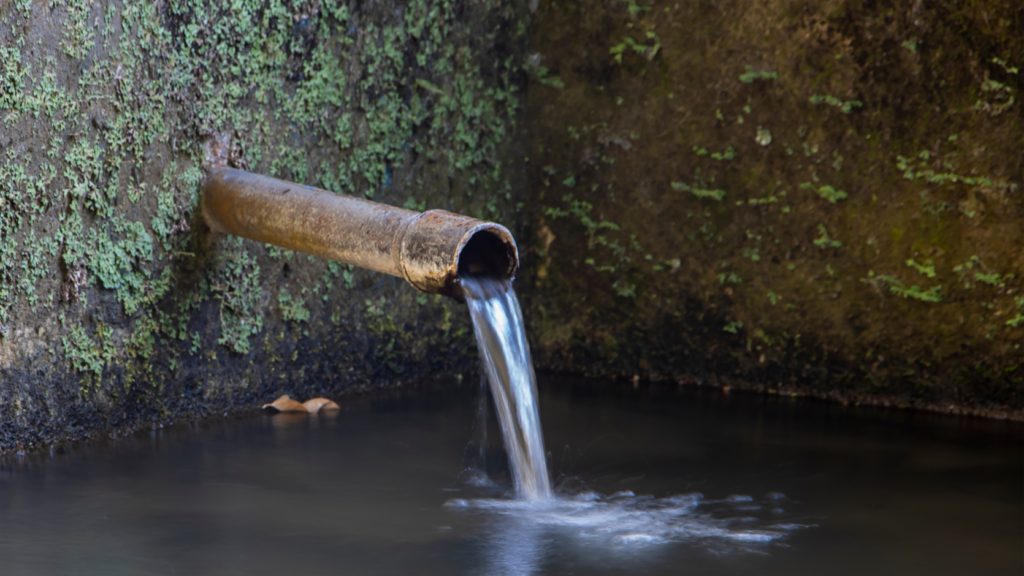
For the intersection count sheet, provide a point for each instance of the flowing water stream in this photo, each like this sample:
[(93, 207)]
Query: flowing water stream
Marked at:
[(505, 357)]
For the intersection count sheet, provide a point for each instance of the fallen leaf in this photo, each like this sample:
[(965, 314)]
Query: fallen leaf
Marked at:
[(317, 404), (285, 404)]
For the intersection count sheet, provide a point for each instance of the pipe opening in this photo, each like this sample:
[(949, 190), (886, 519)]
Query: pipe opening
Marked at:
[(488, 253)]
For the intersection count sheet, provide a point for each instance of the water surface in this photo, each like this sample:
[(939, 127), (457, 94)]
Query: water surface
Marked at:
[(378, 489)]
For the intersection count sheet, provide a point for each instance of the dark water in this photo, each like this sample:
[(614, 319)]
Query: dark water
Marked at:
[(365, 492)]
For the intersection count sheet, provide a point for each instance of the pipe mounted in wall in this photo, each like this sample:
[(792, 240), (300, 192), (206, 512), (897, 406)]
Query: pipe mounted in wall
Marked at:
[(430, 250)]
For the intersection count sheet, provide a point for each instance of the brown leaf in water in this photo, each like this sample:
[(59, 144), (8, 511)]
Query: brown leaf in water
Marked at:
[(285, 404), (317, 404)]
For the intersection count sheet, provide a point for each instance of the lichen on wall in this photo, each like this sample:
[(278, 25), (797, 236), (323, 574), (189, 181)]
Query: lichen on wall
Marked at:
[(820, 198), (116, 304)]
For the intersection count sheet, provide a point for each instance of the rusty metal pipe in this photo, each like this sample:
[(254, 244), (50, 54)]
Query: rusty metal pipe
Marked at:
[(430, 250)]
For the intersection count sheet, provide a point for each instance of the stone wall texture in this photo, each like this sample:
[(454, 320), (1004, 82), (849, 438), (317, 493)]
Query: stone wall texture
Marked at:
[(817, 197), (118, 309)]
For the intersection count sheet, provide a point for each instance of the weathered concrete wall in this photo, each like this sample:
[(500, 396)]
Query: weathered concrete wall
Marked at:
[(118, 309), (816, 197)]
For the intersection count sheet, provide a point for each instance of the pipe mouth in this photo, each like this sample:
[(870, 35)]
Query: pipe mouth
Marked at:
[(490, 252), (439, 248)]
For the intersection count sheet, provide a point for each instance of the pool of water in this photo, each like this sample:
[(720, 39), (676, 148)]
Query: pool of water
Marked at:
[(651, 480)]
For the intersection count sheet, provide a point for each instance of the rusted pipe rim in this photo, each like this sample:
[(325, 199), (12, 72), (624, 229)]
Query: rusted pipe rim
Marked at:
[(497, 255), (439, 247)]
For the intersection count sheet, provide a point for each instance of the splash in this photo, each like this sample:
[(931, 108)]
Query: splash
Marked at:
[(621, 530), (626, 521)]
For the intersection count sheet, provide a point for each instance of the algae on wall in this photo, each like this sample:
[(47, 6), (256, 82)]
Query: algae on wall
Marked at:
[(117, 307), (819, 197)]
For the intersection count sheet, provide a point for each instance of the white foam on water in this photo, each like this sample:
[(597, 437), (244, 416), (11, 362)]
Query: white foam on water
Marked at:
[(624, 520)]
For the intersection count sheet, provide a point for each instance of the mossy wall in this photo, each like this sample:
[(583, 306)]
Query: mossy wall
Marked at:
[(818, 197), (119, 309)]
